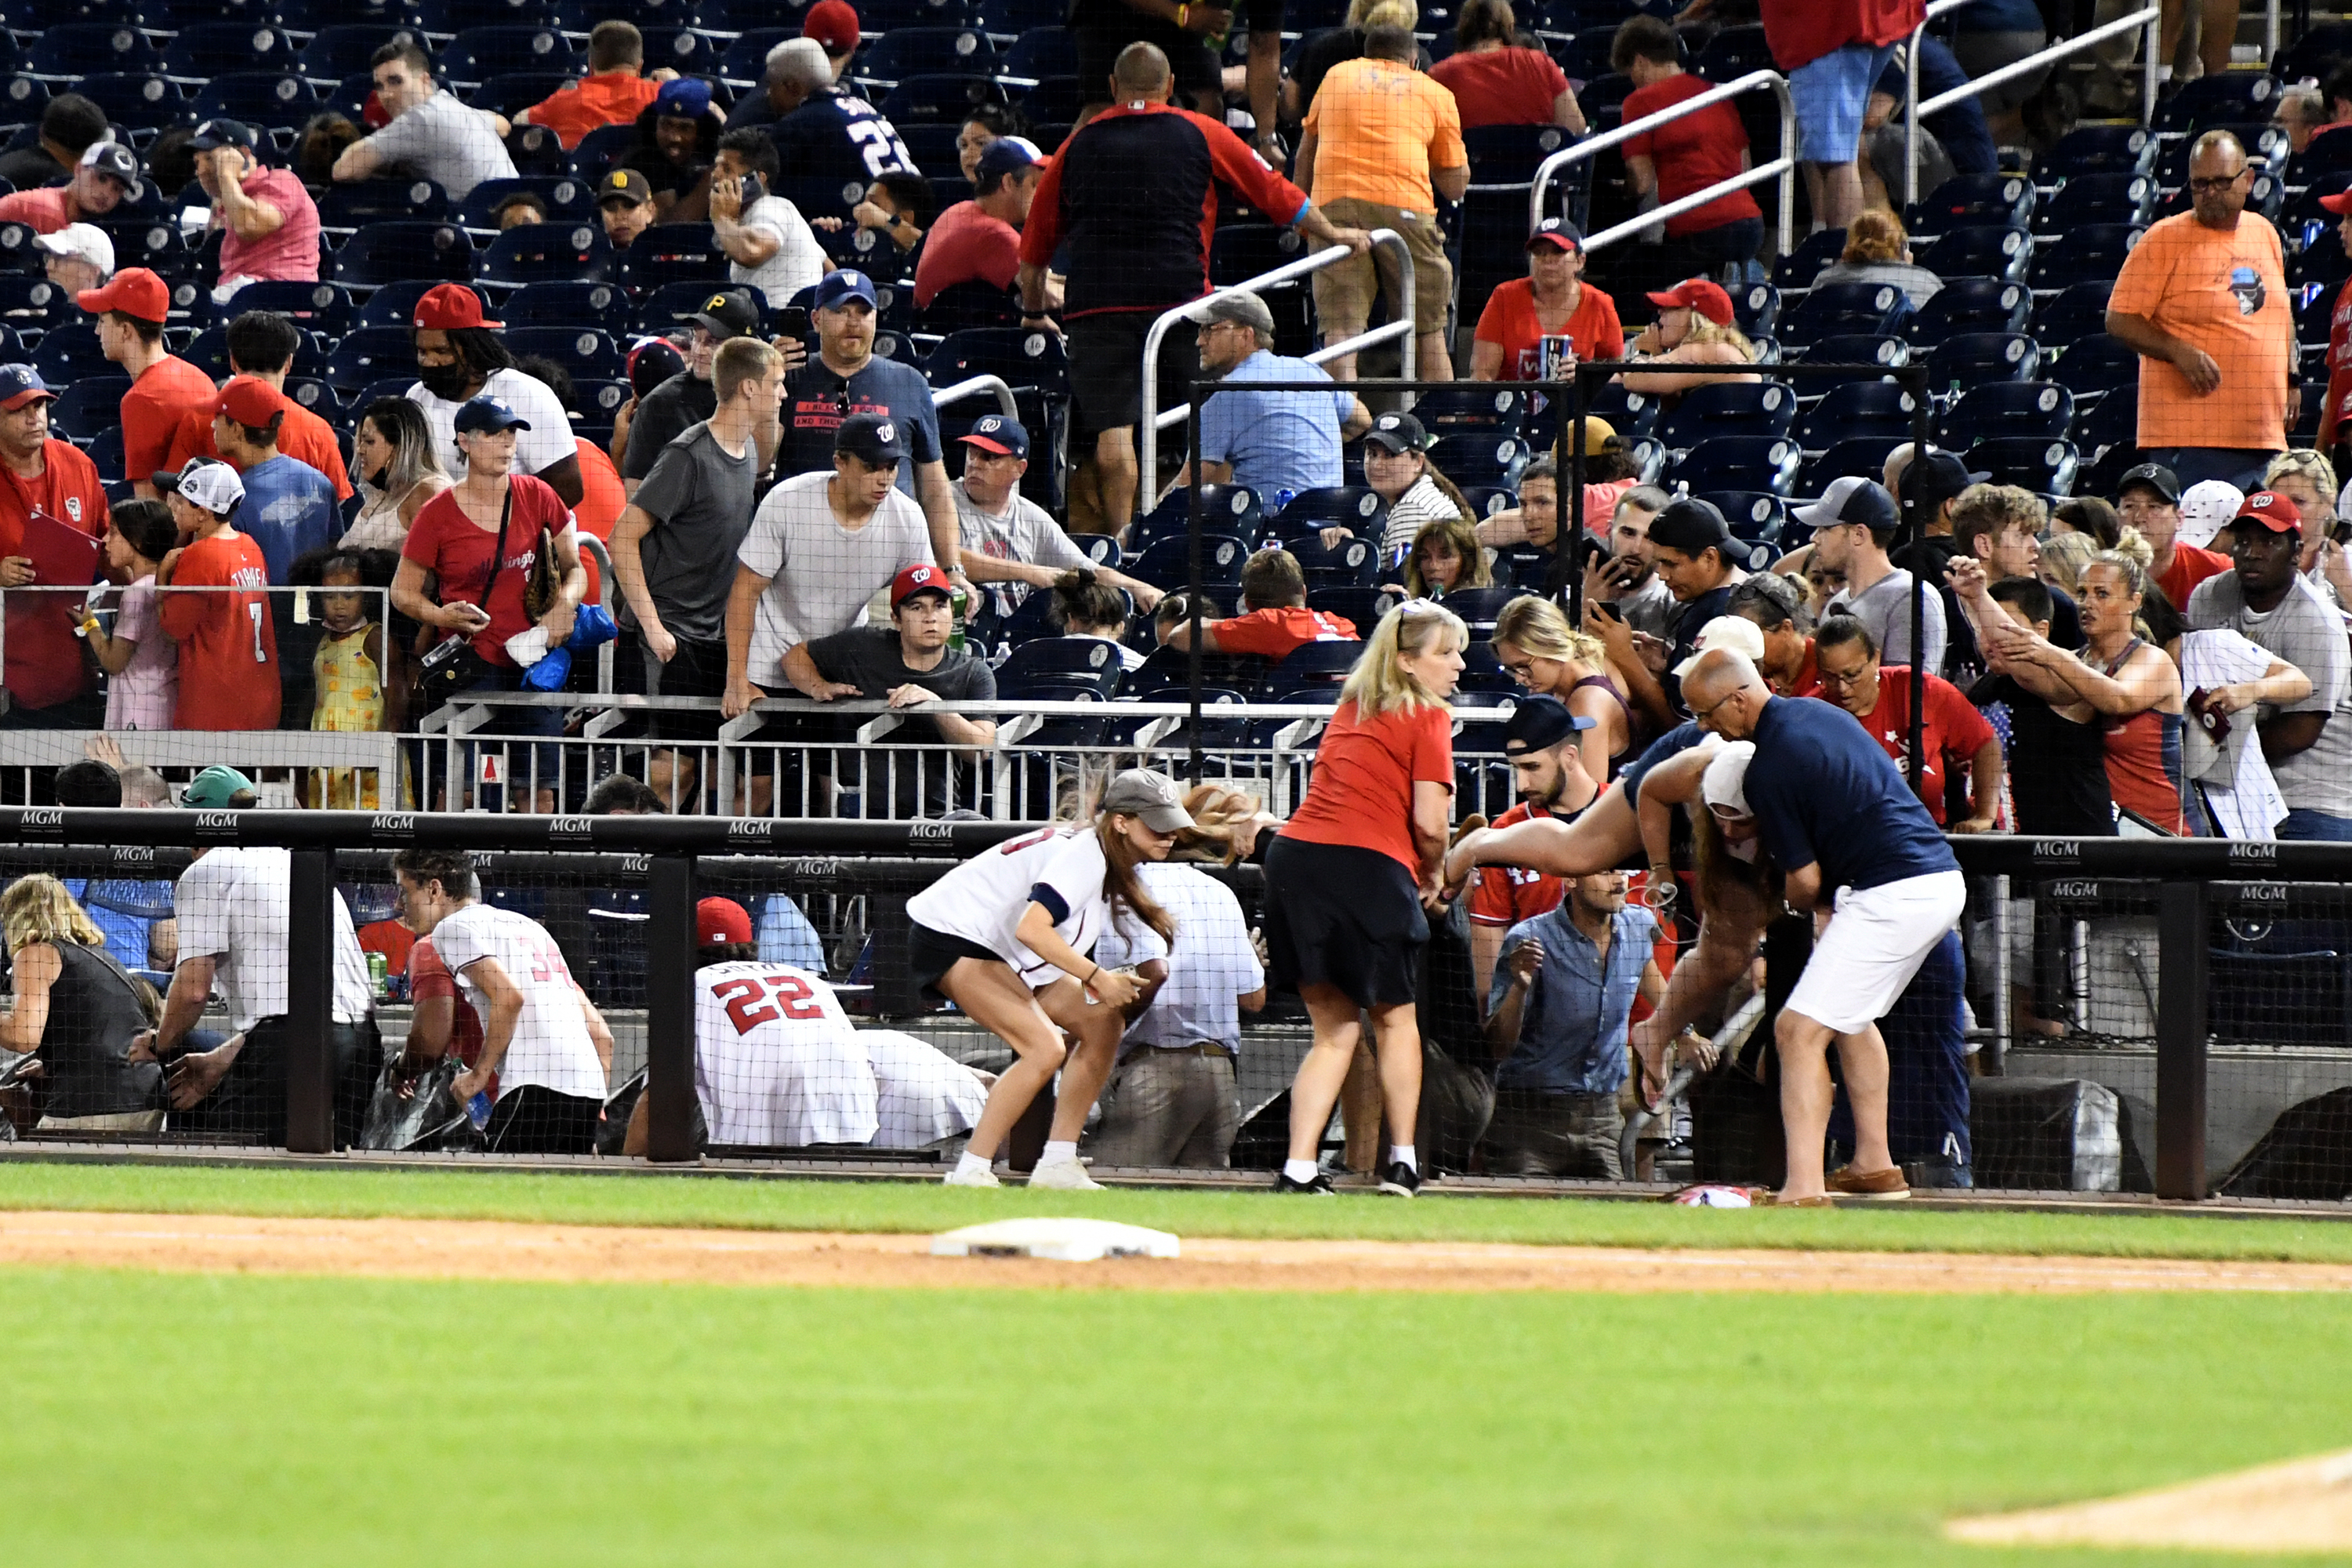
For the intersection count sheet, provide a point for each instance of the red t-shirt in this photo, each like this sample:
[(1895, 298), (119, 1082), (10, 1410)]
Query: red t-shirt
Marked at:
[(152, 411), (1502, 87), (44, 658), (1691, 153), (42, 211), (1362, 792), (1951, 732), (1801, 31), (1505, 895), (2339, 367), (2190, 567), (429, 980), (966, 245), (1809, 676), (448, 543), (304, 436), (1270, 634), (610, 98), (228, 641), (1510, 319)]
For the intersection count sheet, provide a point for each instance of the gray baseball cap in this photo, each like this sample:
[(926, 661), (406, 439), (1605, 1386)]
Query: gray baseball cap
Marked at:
[(1151, 796), (1247, 309)]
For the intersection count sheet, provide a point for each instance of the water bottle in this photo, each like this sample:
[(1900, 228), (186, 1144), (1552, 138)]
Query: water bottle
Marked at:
[(1283, 498), (379, 969), (959, 602), (477, 1109)]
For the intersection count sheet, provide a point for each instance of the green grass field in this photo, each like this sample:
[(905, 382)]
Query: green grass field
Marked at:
[(223, 1419)]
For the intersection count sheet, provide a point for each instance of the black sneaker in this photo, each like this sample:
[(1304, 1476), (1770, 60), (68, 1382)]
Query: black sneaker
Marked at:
[(1320, 1187), (1400, 1180)]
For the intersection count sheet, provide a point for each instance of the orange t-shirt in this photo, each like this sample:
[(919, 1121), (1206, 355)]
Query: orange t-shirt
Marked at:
[(1381, 127), (152, 411), (602, 499), (1270, 634), (573, 109), (305, 437), (2190, 567), (228, 641), (2226, 294), (1362, 792)]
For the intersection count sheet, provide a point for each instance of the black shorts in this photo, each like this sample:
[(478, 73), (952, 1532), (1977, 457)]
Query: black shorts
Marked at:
[(1344, 917), (931, 953), (536, 1120), (1106, 372), (1100, 41)]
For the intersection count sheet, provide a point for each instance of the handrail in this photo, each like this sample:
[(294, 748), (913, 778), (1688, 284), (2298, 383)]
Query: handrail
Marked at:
[(2146, 21), (1784, 167), (1146, 464), (942, 396)]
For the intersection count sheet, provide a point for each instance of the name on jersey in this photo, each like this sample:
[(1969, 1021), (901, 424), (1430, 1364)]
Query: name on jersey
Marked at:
[(248, 577)]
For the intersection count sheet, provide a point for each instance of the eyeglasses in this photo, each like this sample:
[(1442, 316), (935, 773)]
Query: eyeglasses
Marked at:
[(1850, 678), (2217, 183)]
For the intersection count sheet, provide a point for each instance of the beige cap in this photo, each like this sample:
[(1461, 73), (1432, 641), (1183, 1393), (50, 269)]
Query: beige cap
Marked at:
[(1737, 633)]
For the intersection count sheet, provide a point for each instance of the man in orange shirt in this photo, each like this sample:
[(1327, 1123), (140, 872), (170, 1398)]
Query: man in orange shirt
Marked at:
[(1274, 619), (1381, 142), (40, 475), (130, 311), (613, 93), (220, 612), (261, 344), (2203, 300)]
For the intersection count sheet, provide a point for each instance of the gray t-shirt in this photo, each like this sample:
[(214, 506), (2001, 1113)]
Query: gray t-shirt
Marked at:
[(1023, 532), (1886, 609), (663, 415), (868, 659), (2306, 632), (1650, 609), (442, 140), (820, 573), (699, 498)]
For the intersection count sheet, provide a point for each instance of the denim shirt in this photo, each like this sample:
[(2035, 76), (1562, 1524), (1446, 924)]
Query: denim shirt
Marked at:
[(1572, 1027)]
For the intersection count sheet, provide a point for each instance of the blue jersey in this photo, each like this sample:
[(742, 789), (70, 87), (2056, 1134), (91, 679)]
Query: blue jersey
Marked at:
[(1673, 743), (1825, 792), (288, 510), (837, 137)]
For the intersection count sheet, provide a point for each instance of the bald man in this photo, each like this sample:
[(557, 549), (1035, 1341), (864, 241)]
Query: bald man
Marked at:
[(1834, 812)]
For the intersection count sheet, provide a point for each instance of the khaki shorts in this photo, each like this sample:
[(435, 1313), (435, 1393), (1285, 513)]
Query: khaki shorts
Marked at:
[(1343, 292)]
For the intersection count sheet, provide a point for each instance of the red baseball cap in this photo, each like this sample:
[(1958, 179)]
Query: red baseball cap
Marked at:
[(451, 307), (2339, 203), (913, 580), (2269, 509), (249, 400), (134, 291), (834, 24), (721, 920), (1697, 294)]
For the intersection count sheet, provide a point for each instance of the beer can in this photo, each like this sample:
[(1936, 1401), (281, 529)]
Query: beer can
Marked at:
[(379, 971), (1558, 351)]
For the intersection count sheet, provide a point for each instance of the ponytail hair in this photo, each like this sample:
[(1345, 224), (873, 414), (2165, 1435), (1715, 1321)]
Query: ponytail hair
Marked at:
[(1080, 598)]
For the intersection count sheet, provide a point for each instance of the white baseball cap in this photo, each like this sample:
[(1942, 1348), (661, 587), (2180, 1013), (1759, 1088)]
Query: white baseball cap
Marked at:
[(1737, 633), (205, 482), (85, 240), (2206, 508), (1725, 782)]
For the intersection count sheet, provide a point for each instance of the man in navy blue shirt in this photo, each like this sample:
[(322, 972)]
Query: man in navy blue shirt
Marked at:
[(1837, 818)]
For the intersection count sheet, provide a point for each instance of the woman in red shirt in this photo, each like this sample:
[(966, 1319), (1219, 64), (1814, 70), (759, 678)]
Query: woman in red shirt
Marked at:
[(1549, 302), (1499, 80), (480, 541), (1347, 880)]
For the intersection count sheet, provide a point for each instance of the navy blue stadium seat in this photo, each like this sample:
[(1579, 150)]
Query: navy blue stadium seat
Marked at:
[(1232, 510), (1973, 305), (88, 48), (476, 55), (602, 148), (69, 353), (316, 396), (1739, 463), (1757, 309), (1845, 310), (932, 97), (369, 354), (2009, 408), (2092, 252), (2101, 150), (397, 252), (2043, 465), (1358, 508), (1858, 408), (1968, 201), (1089, 659), (560, 304), (1733, 408), (213, 49), (575, 252), (446, 16), (905, 52), (745, 61), (276, 101), (208, 352), (1479, 607), (1315, 664), (670, 253), (1871, 349), (1041, 52), (2074, 313), (2003, 253), (1169, 564), (385, 203), (1801, 266), (1756, 517), (509, 93), (140, 102), (1359, 608), (1350, 564), (1025, 361), (1863, 456), (568, 199), (1486, 406), (2096, 363), (1479, 458), (1733, 53), (585, 352), (685, 50), (343, 48), (2127, 199), (1486, 500), (2231, 98), (86, 405), (1973, 358)]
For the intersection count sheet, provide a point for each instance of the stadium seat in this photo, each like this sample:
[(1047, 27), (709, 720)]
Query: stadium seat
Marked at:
[(1733, 53), (1357, 508), (208, 352), (69, 353), (1801, 266), (477, 54), (1973, 305), (343, 48), (907, 52), (685, 50), (1481, 458), (1766, 408), (86, 405), (575, 252), (943, 98), (1315, 664), (2075, 312), (2100, 150), (2011, 409), (2002, 253), (447, 17), (1089, 659), (1486, 500), (1632, 415), (217, 48), (1842, 309), (33, 304), (601, 149), (1041, 52), (2127, 199), (2044, 466), (1169, 564), (1350, 564), (275, 100), (1739, 462), (588, 353), (1968, 201), (568, 200), (1973, 358), (2231, 98), (142, 103), (365, 204), (316, 396), (1755, 517), (1866, 349), (563, 304), (370, 355), (1858, 408), (1024, 361), (399, 251), (394, 304), (72, 49), (745, 61), (1225, 509), (670, 253), (2096, 363), (509, 93), (2094, 252), (1487, 406), (1858, 457), (1757, 309)]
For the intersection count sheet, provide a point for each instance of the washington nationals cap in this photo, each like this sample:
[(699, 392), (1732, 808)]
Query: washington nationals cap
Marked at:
[(20, 384), (1000, 434), (727, 314), (873, 439), (836, 289), (717, 921), (204, 482), (1006, 156), (834, 24), (134, 291), (921, 578), (1538, 724), (1558, 233), (2339, 203), (488, 417), (451, 308), (2269, 509), (1697, 294), (1151, 796)]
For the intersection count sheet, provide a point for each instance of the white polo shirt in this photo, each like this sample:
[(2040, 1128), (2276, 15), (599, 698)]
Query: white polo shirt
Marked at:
[(232, 907), (547, 443), (552, 1047)]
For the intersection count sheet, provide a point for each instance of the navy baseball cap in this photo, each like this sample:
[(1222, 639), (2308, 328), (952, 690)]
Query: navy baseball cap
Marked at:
[(215, 133), (1851, 499), (1006, 156), (686, 98), (873, 439), (1539, 724), (1558, 233), (1941, 476), (1000, 434), (1690, 525), (837, 289), (488, 417), (19, 385)]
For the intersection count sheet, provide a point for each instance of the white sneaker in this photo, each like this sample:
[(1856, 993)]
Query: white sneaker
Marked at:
[(1064, 1176), (960, 1177)]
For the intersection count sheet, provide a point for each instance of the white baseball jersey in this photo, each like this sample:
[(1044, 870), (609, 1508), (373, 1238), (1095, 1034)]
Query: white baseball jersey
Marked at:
[(552, 1047), (1212, 967), (777, 1063), (921, 1093), (234, 908), (983, 900)]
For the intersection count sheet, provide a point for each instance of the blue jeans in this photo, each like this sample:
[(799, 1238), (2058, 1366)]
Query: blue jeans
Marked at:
[(2310, 826), (2239, 466)]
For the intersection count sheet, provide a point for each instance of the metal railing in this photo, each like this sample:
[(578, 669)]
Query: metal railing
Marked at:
[(1783, 168), (1155, 418), (2145, 21)]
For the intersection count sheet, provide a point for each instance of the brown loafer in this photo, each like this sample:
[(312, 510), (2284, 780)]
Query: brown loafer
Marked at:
[(1765, 1199), (1882, 1187)]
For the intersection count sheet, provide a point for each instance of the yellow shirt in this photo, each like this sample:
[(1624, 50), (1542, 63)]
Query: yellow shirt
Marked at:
[(1381, 126), (2226, 294)]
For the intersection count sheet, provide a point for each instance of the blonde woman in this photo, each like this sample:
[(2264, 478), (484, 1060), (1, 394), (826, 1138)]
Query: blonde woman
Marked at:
[(1695, 326), (1445, 556), (1534, 641), (80, 1009), (2063, 556), (1348, 880), (2308, 480)]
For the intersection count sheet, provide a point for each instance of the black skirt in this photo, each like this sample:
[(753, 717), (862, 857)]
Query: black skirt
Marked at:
[(1346, 917)]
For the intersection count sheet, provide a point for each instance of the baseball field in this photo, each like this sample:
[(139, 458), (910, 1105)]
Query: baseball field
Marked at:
[(214, 1366)]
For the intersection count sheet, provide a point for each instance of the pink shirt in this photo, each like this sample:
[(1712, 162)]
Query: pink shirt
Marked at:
[(143, 695), (289, 251), (966, 244)]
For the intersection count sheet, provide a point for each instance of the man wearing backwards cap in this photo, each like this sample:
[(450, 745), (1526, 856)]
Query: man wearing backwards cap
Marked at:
[(41, 476), (2267, 600), (1668, 340), (229, 673), (77, 256), (1852, 524), (907, 664), (432, 136), (460, 357), (107, 172), (1267, 440), (1009, 540), (289, 507), (269, 226), (1549, 302), (130, 311), (979, 241), (1540, 739)]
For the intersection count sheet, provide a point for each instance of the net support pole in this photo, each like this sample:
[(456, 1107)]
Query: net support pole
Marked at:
[(2181, 1041), (669, 1010), (1788, 944), (309, 1003)]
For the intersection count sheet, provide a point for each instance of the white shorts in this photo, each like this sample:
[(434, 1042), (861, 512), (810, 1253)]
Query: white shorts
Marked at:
[(1875, 943)]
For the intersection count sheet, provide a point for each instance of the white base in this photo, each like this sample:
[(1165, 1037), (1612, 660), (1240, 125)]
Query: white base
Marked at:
[(1060, 1240)]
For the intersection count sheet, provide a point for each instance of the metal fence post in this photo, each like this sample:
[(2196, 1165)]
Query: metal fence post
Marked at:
[(669, 1010), (2181, 1041), (309, 1003)]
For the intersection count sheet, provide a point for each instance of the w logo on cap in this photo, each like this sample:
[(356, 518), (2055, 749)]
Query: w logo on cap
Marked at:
[(2261, 502), (886, 433), (853, 279), (920, 577), (991, 424)]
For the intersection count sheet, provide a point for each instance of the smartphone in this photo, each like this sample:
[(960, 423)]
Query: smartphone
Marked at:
[(1602, 608), (792, 322), (752, 190)]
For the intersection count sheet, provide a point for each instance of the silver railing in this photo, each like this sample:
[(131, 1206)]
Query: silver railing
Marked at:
[(2145, 21), (1783, 168), (992, 384), (1154, 418)]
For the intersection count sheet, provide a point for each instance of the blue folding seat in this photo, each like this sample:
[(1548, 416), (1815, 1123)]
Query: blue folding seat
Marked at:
[(316, 396), (1756, 517), (375, 204), (343, 49), (69, 353), (576, 251), (1881, 349), (1858, 408), (2092, 252), (569, 199), (1357, 508), (1730, 408), (587, 353), (2007, 409), (939, 97), (1858, 457), (2127, 199), (141, 102), (884, 16), (745, 62), (1757, 309), (2077, 311), (1842, 309), (905, 52), (1486, 406), (208, 352), (682, 49), (2002, 253), (2096, 363), (2044, 465), (1350, 564), (370, 355), (400, 251), (604, 306), (1733, 53), (2233, 98), (2101, 150), (1973, 305), (72, 49), (276, 101), (1739, 463), (1481, 458), (1169, 564), (1971, 201), (86, 405), (1972, 358), (509, 93), (445, 17), (1801, 266), (477, 54), (1041, 52), (1024, 361), (670, 253), (213, 49)]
